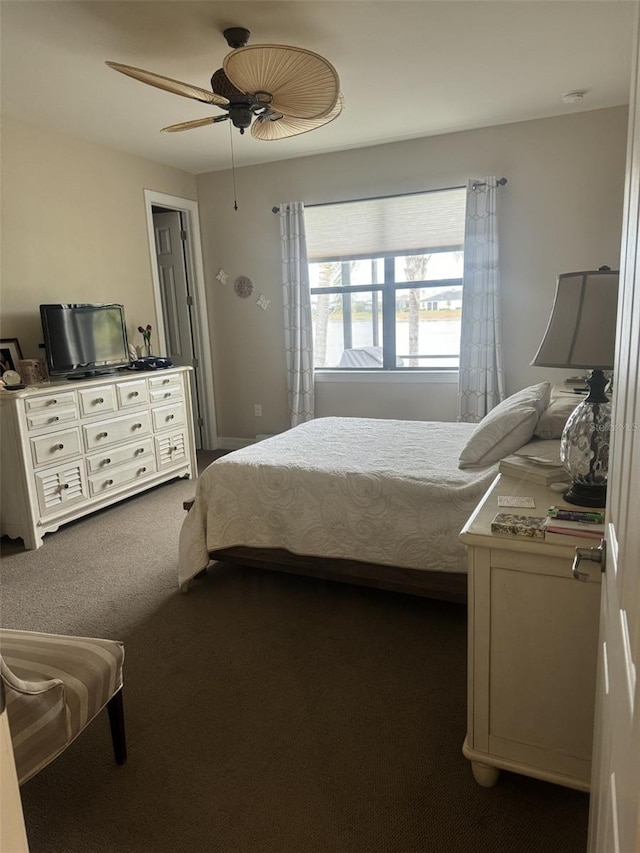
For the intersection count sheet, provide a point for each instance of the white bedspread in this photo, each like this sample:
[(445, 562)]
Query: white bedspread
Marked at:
[(379, 491)]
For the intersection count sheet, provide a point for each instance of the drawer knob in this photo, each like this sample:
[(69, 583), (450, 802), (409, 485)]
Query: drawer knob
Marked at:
[(172, 449), (100, 400), (65, 485), (142, 470), (166, 381), (60, 447), (52, 402), (102, 435), (134, 394), (109, 482), (170, 417), (137, 426), (140, 450), (167, 394), (55, 418), (106, 461)]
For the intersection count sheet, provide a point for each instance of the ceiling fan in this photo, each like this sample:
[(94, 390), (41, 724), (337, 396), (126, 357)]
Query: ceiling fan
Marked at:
[(276, 90)]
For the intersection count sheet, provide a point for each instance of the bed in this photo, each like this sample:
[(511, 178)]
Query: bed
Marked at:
[(368, 501)]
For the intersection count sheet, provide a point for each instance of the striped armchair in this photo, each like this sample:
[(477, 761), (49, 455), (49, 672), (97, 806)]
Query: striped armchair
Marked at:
[(55, 685)]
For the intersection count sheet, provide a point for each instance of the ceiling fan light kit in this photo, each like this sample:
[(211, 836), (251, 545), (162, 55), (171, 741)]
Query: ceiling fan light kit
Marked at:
[(276, 90), (268, 128)]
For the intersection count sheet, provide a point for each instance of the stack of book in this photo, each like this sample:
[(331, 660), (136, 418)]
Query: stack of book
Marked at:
[(573, 526), (536, 469)]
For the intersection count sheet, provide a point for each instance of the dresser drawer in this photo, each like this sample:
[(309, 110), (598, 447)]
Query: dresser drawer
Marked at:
[(118, 455), (55, 446), (60, 487), (105, 433), (106, 481), (165, 417), (96, 400), (132, 393), (164, 381), (164, 395), (171, 449), (64, 399), (51, 417)]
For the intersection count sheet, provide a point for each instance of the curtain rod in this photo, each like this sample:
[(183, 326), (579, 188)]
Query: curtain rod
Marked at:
[(501, 182)]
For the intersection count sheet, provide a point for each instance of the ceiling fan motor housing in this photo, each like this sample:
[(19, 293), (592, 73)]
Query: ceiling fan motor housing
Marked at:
[(221, 85)]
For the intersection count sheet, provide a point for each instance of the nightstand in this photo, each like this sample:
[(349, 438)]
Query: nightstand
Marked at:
[(532, 649)]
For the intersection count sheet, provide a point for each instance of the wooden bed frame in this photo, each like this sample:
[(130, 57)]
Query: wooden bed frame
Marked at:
[(447, 586)]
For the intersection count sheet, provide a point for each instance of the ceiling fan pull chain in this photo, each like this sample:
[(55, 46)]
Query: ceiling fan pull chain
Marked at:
[(233, 169)]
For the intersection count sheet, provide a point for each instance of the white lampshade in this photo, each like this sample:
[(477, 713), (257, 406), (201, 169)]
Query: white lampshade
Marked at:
[(582, 328)]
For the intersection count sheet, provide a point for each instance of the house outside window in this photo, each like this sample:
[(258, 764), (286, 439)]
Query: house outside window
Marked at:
[(386, 281)]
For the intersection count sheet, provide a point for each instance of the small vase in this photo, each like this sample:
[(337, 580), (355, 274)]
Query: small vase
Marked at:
[(147, 350)]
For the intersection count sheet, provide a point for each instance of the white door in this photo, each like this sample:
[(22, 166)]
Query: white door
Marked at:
[(176, 300), (13, 835), (615, 790)]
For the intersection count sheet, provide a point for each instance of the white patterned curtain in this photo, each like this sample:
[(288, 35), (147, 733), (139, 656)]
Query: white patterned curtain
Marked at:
[(298, 328), (481, 379)]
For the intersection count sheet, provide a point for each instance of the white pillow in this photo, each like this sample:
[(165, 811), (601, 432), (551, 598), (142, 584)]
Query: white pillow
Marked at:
[(555, 416), (506, 427)]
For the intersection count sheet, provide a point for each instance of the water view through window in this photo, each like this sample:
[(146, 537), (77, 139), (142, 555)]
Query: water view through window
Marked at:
[(402, 311)]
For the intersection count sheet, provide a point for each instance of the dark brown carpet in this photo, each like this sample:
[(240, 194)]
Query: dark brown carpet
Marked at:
[(265, 713)]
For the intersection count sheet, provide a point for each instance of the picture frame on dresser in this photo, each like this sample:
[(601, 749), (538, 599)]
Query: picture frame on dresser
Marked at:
[(10, 354)]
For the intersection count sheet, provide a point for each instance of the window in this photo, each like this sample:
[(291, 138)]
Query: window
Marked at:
[(386, 281)]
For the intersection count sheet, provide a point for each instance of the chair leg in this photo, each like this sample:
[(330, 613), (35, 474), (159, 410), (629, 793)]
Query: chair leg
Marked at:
[(116, 721)]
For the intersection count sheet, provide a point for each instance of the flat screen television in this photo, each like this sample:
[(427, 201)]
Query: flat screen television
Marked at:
[(84, 339)]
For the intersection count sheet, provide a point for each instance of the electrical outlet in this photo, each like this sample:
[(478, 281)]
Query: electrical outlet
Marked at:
[(257, 410)]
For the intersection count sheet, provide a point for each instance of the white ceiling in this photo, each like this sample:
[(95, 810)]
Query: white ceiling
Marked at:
[(407, 69)]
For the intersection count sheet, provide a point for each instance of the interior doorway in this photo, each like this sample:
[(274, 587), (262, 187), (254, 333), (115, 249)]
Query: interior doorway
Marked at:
[(180, 303)]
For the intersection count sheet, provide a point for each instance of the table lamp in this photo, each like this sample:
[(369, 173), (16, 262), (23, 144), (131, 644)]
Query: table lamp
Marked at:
[(581, 334)]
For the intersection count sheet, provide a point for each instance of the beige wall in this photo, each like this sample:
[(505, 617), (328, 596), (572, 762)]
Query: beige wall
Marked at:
[(74, 228), (560, 211)]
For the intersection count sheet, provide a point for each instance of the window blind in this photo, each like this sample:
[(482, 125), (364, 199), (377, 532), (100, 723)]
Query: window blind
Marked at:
[(391, 225)]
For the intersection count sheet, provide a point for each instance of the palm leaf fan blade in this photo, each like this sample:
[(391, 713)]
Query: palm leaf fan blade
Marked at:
[(302, 83), (191, 125), (168, 84), (268, 129)]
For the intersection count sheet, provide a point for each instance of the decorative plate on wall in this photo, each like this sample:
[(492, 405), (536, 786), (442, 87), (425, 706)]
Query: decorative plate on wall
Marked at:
[(243, 286)]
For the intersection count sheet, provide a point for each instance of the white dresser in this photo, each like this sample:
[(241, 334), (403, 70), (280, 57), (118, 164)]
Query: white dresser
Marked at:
[(533, 646), (72, 447)]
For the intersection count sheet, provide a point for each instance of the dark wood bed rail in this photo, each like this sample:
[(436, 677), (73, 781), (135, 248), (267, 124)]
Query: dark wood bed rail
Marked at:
[(446, 586)]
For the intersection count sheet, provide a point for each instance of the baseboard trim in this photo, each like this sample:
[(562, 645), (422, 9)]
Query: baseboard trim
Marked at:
[(234, 443)]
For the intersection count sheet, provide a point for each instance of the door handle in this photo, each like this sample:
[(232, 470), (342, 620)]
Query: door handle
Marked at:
[(592, 555)]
